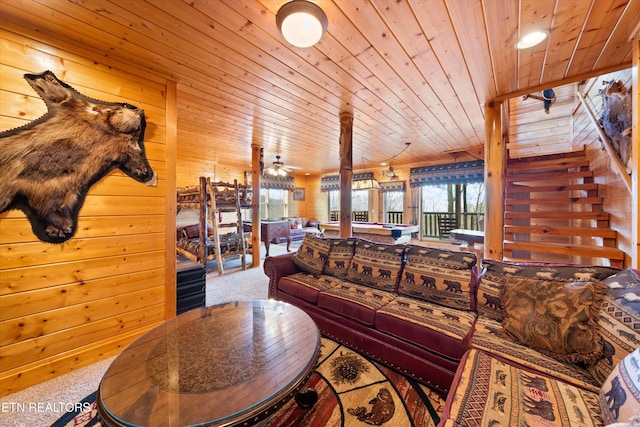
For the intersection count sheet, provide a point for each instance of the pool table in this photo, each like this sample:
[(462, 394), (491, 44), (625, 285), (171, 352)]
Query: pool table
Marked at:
[(376, 231)]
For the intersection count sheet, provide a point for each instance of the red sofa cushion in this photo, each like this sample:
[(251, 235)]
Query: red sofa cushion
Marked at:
[(357, 302), (438, 328), (304, 285)]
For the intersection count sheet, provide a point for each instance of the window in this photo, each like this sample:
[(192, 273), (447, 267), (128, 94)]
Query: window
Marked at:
[(359, 204), (274, 203), (334, 205), (360, 200), (462, 201), (393, 206)]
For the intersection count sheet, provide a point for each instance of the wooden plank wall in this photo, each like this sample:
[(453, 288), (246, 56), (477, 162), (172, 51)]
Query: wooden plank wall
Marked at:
[(317, 202), (532, 132), (68, 305), (190, 167), (617, 199)]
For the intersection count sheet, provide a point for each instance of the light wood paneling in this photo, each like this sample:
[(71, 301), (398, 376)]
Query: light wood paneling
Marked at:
[(532, 132), (412, 71), (67, 305), (418, 71), (635, 142), (617, 199)]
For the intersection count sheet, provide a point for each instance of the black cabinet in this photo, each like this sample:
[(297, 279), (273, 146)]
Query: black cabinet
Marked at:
[(191, 284)]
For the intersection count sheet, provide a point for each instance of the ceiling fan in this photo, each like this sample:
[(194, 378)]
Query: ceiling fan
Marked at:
[(278, 168), (390, 173)]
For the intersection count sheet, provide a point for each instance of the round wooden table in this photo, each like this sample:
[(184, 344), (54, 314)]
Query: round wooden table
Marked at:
[(225, 365)]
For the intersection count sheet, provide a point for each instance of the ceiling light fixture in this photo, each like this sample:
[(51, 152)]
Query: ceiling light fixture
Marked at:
[(365, 184), (301, 22), (532, 39)]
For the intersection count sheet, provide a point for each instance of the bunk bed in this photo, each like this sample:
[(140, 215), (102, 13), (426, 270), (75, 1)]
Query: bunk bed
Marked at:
[(211, 200)]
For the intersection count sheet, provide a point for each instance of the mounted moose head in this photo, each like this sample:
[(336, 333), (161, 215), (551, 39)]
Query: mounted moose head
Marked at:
[(47, 166)]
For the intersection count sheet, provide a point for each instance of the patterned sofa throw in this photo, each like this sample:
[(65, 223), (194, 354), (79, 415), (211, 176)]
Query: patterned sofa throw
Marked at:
[(376, 265), (620, 394), (490, 392), (556, 317), (440, 276), (496, 273), (312, 255), (619, 321)]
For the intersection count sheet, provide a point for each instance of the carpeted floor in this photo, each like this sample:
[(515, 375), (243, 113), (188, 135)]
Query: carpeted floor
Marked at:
[(352, 391)]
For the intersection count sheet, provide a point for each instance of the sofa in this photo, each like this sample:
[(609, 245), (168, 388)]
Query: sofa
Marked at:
[(507, 343), (299, 226)]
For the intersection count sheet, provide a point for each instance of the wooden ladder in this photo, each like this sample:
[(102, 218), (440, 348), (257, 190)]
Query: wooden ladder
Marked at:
[(554, 213)]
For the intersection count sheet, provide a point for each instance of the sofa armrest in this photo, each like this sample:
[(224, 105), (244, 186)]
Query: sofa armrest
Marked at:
[(276, 267)]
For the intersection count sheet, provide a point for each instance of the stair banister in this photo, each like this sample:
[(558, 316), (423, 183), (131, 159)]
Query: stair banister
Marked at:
[(618, 166)]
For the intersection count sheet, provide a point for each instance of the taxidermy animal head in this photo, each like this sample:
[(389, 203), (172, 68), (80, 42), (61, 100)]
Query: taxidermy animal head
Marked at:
[(47, 166), (616, 118)]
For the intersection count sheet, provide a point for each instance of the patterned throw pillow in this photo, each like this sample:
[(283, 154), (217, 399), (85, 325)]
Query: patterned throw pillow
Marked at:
[(376, 264), (496, 273), (312, 255), (340, 255), (556, 317), (193, 231), (620, 394), (440, 276)]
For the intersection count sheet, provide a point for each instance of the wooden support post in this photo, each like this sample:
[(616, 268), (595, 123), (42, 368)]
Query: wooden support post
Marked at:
[(202, 229), (213, 218), (346, 171), (495, 170), (256, 159), (171, 134), (635, 155), (240, 226)]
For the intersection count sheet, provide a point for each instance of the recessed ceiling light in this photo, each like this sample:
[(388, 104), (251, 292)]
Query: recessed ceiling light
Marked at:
[(531, 39)]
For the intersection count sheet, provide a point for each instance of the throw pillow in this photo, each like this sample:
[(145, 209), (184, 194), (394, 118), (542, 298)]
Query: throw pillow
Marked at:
[(440, 276), (340, 255), (620, 394), (556, 317), (376, 265), (312, 255), (192, 231), (496, 273)]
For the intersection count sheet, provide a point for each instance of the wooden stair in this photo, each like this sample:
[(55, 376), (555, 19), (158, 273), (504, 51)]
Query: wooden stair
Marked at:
[(554, 213)]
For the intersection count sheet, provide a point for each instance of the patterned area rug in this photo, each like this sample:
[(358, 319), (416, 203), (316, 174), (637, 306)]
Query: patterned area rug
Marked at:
[(352, 391)]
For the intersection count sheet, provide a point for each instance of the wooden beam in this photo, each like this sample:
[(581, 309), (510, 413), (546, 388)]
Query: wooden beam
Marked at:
[(171, 113), (495, 182), (635, 155), (256, 159), (346, 171)]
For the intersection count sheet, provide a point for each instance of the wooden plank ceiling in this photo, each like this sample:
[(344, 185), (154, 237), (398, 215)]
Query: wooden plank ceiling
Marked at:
[(416, 71)]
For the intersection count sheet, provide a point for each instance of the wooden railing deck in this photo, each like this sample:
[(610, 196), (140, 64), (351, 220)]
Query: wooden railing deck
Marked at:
[(430, 221)]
